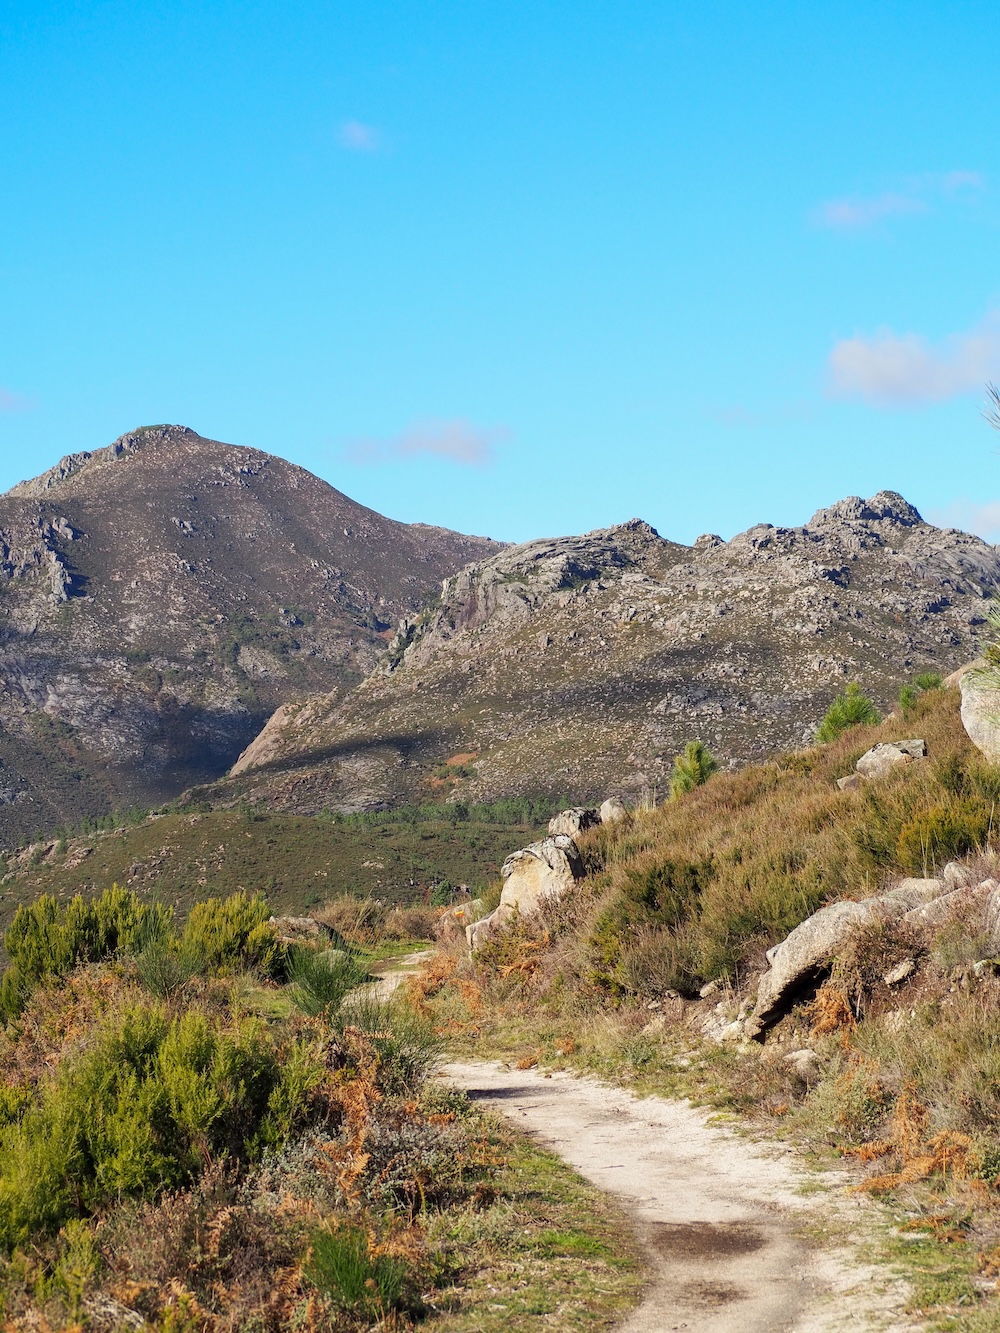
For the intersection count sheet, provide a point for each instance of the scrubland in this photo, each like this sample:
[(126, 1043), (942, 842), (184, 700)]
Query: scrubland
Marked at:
[(206, 1128), (902, 1085)]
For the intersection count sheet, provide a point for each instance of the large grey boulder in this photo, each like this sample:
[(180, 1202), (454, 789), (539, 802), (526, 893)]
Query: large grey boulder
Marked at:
[(800, 957), (882, 759), (574, 821), (545, 870), (992, 916), (612, 810), (540, 873), (981, 711)]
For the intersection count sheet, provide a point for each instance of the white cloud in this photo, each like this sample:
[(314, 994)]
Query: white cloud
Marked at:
[(851, 214), (904, 370), (854, 213), (981, 518), (13, 402), (359, 138), (458, 440), (952, 181)]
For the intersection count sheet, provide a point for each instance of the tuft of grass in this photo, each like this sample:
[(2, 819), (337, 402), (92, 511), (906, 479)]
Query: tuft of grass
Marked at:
[(343, 1268), (321, 980), (850, 709)]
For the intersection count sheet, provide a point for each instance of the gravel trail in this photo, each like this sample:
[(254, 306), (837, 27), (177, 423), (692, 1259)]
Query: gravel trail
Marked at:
[(723, 1220)]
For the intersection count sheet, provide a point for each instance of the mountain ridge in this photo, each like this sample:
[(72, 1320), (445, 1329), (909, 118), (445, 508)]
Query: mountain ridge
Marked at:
[(583, 664)]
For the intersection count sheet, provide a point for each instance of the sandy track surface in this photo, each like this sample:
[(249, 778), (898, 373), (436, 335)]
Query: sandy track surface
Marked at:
[(722, 1219), (391, 974)]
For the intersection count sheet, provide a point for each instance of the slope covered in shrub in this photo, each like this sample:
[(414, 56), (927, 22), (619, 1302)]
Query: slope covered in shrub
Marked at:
[(207, 1129)]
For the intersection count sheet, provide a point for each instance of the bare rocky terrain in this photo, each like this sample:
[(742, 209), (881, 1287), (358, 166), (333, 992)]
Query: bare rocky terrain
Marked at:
[(162, 596), (579, 666)]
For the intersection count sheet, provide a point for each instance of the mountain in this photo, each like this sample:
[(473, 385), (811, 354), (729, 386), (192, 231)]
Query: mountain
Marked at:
[(581, 665), (160, 597)]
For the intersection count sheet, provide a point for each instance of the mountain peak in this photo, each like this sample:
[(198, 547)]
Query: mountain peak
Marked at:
[(162, 595), (886, 506), (129, 443)]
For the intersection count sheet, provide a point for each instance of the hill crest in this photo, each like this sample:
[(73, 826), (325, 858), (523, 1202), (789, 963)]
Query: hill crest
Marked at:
[(581, 665)]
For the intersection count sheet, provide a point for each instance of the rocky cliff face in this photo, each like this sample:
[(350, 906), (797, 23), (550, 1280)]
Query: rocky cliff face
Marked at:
[(581, 665), (160, 597)]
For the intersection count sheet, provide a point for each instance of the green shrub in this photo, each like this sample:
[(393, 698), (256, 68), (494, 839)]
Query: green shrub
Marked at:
[(660, 896), (145, 1109), (232, 935), (908, 696), (343, 1268), (47, 940), (320, 981), (403, 1041), (849, 709), (928, 680), (691, 768), (930, 839)]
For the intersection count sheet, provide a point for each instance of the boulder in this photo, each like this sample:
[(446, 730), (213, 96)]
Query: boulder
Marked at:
[(612, 810), (477, 932), (981, 711), (540, 873), (849, 783), (945, 905), (572, 822), (545, 870), (992, 917), (882, 759), (452, 923), (900, 972), (801, 957), (301, 929), (955, 875), (805, 1064)]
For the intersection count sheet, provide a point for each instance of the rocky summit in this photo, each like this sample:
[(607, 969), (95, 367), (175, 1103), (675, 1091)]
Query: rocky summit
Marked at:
[(160, 597), (580, 666)]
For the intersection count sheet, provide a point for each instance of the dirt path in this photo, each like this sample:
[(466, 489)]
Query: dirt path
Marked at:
[(393, 972), (722, 1219)]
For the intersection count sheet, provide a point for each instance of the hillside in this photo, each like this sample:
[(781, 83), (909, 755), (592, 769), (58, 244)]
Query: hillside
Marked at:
[(297, 860), (880, 908), (160, 597), (583, 664)]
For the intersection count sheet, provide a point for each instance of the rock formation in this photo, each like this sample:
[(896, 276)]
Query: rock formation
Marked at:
[(583, 664), (920, 904), (543, 872), (981, 710)]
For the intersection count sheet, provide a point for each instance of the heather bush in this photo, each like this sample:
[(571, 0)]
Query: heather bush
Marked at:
[(228, 935), (142, 1110), (46, 940), (402, 1040)]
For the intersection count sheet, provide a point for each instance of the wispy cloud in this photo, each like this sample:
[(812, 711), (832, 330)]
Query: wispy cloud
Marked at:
[(459, 441), (14, 402), (916, 195), (357, 137), (906, 370), (850, 214), (971, 516)]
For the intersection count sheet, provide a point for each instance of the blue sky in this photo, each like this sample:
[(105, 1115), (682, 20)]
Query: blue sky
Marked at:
[(518, 268)]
